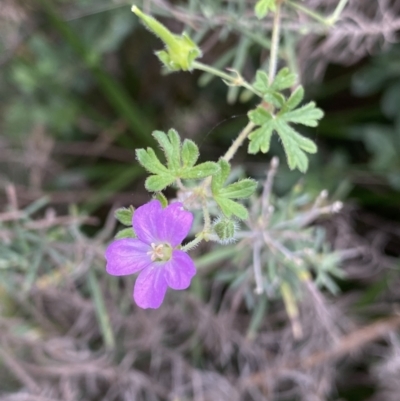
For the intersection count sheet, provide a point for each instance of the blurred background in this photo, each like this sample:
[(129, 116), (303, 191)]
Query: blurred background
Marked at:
[(80, 90)]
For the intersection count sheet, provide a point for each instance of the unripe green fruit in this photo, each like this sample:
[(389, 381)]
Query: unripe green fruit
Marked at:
[(225, 229)]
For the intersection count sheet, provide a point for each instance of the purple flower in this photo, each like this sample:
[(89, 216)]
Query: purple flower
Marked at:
[(154, 252)]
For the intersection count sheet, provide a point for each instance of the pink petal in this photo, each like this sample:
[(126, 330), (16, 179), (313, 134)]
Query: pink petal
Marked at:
[(174, 224), (127, 256), (150, 287), (146, 221), (171, 225), (179, 270)]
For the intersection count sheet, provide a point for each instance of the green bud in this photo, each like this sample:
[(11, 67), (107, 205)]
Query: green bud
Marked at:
[(225, 229), (124, 215), (180, 51)]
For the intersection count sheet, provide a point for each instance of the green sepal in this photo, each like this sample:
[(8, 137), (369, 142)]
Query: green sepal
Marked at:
[(162, 199), (125, 233), (124, 215)]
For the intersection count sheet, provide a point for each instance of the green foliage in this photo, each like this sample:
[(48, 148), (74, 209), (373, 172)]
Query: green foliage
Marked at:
[(262, 7), (224, 195), (295, 145), (181, 160)]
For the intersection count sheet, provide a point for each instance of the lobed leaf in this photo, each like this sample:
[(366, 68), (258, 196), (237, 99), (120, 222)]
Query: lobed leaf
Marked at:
[(261, 82), (190, 153), (260, 139), (202, 170), (230, 207), (284, 79), (239, 190), (148, 159), (307, 115), (219, 178), (260, 116), (156, 183), (295, 98)]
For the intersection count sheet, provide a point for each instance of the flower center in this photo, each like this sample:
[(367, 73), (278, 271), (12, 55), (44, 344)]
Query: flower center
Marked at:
[(160, 252)]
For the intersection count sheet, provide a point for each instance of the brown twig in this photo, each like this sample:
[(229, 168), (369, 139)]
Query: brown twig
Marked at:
[(347, 344)]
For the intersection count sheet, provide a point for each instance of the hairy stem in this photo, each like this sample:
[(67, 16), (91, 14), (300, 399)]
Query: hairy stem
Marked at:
[(273, 59), (234, 80), (192, 244), (324, 20), (239, 141)]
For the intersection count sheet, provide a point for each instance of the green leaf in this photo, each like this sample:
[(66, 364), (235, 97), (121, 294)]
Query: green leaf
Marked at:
[(260, 139), (263, 7), (201, 171), (230, 207), (149, 160), (275, 98), (260, 116), (124, 215), (295, 98), (294, 145), (171, 145), (307, 115), (190, 153), (220, 177), (125, 233), (239, 190), (261, 83), (181, 160), (156, 183), (284, 79)]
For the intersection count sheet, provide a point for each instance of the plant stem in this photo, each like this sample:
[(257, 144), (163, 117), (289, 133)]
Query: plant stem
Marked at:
[(338, 10), (329, 21), (236, 81), (192, 244), (273, 59), (101, 311), (238, 141)]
